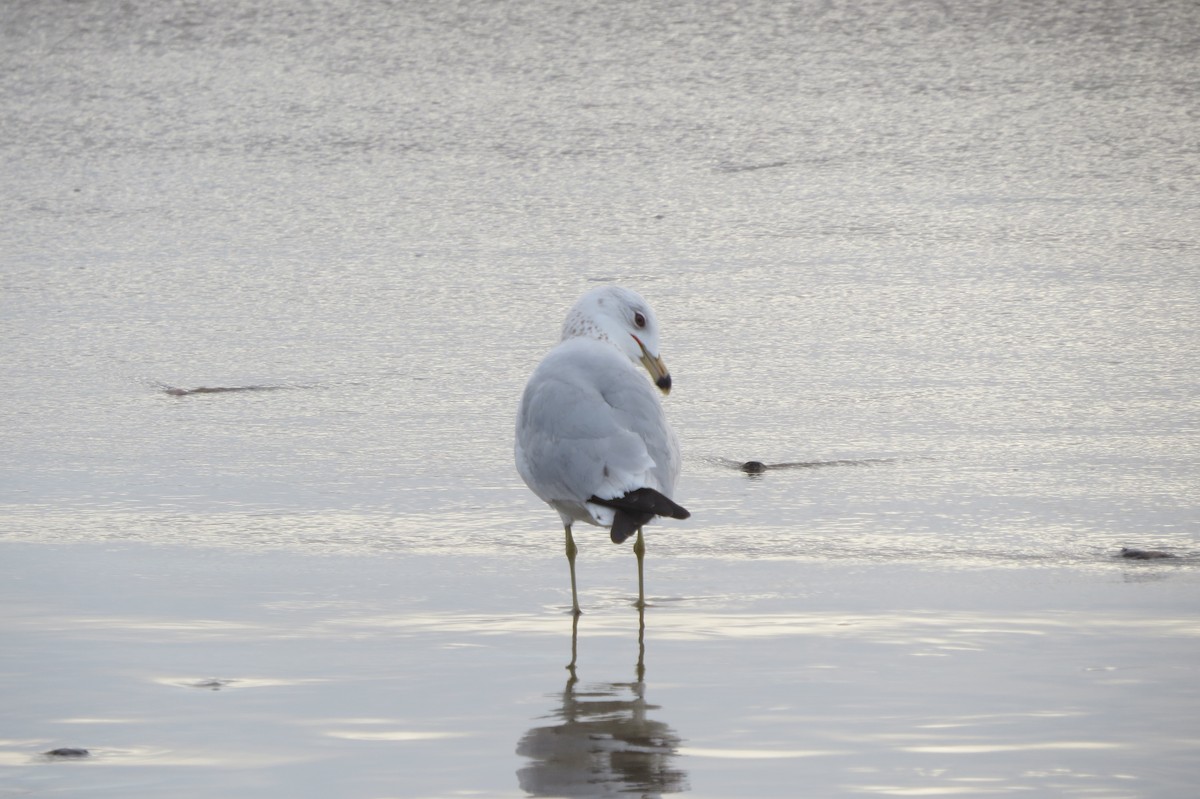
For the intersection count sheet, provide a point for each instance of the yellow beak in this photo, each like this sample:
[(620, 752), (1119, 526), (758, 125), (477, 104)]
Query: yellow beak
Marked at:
[(656, 368)]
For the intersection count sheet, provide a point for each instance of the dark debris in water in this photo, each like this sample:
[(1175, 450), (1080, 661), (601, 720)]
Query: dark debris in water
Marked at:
[(749, 167), (68, 752), (212, 685), (1145, 554), (758, 467), (187, 392)]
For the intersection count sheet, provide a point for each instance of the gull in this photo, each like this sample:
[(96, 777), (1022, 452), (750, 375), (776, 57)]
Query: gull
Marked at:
[(592, 439)]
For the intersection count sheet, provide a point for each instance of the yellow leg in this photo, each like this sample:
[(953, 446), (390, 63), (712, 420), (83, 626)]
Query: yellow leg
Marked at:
[(571, 550), (639, 549)]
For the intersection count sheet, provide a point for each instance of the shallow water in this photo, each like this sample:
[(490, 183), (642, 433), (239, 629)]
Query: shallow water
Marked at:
[(216, 671), (946, 258)]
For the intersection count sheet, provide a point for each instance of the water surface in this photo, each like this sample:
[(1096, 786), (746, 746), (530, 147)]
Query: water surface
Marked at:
[(272, 277)]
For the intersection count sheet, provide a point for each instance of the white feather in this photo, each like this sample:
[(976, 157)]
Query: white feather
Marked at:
[(590, 423)]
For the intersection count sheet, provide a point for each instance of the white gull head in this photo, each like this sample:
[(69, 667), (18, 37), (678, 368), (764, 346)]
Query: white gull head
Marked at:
[(625, 320)]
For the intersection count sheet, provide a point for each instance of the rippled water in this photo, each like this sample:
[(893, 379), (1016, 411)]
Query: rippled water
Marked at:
[(944, 256)]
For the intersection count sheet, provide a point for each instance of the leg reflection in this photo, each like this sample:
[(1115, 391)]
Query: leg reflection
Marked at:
[(641, 664), (574, 650), (602, 739)]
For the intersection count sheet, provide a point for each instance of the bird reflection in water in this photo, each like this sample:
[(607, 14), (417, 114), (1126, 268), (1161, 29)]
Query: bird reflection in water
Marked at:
[(605, 743)]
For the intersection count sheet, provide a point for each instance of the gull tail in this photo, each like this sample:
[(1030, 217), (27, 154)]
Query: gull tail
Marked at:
[(636, 508)]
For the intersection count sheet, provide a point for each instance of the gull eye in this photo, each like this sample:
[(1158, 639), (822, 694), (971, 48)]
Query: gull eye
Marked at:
[(639, 319)]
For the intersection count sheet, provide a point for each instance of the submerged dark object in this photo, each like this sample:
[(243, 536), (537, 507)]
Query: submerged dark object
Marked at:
[(758, 467), (749, 167), (1144, 554), (185, 392), (67, 751)]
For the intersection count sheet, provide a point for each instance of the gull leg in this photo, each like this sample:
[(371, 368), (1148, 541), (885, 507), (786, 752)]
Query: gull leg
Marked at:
[(571, 550), (639, 549)]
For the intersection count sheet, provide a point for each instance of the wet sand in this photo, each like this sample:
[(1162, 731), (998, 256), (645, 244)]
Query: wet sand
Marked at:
[(200, 672)]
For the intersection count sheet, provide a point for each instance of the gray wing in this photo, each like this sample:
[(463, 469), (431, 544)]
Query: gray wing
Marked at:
[(591, 424)]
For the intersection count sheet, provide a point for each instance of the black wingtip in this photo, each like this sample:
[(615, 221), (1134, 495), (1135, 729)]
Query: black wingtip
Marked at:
[(625, 526), (636, 508), (644, 500)]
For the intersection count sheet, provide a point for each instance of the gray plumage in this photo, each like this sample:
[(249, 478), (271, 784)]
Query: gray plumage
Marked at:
[(590, 425)]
